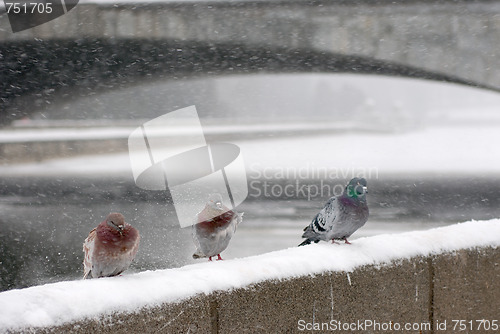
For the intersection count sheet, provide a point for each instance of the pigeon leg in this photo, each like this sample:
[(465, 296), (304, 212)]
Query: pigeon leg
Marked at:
[(333, 241), (218, 257), (209, 258), (347, 242)]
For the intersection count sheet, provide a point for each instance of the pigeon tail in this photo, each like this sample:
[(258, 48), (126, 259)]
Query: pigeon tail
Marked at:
[(88, 275), (308, 242), (305, 243), (198, 255), (310, 234)]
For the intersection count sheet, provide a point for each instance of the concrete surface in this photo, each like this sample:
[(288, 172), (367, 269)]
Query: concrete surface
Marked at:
[(428, 292)]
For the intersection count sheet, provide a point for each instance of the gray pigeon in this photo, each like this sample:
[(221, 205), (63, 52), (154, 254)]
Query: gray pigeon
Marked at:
[(214, 229), (341, 216)]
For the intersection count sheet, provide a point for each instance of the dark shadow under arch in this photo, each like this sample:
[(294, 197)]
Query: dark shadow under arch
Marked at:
[(33, 72)]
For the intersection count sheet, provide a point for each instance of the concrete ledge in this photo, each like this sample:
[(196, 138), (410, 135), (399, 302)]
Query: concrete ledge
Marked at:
[(466, 285), (190, 316), (422, 291), (262, 294)]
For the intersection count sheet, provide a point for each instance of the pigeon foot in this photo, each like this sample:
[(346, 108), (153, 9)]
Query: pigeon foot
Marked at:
[(219, 258)]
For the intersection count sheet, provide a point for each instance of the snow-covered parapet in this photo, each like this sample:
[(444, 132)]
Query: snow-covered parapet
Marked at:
[(71, 301)]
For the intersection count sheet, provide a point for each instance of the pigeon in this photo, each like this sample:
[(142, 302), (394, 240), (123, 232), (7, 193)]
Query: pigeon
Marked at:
[(110, 247), (341, 216), (214, 228)]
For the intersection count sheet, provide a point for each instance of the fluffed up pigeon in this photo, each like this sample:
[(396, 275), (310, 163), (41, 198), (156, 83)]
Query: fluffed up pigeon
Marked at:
[(110, 247), (214, 228), (341, 216)]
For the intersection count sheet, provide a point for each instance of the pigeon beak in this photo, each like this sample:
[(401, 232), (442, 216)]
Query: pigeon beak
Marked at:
[(365, 190), (218, 205)]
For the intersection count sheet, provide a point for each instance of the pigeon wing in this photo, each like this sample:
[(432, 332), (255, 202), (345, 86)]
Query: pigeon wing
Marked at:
[(329, 213), (198, 253), (322, 222), (88, 250)]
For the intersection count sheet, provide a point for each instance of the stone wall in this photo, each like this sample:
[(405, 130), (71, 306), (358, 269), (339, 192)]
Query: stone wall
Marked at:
[(425, 293)]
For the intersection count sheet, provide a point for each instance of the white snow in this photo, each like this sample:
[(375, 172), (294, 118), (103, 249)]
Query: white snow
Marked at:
[(57, 303), (435, 150)]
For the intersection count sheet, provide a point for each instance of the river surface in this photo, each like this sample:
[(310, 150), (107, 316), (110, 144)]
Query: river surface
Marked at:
[(43, 222)]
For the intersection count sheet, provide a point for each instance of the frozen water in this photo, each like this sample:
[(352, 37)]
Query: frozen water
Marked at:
[(433, 150)]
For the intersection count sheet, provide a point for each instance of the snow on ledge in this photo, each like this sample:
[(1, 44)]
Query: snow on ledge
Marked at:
[(58, 303)]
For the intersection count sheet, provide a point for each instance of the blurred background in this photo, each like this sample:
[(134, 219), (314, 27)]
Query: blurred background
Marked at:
[(405, 94)]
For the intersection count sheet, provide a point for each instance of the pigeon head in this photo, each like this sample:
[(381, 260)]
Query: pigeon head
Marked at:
[(357, 187), (215, 202), (116, 221)]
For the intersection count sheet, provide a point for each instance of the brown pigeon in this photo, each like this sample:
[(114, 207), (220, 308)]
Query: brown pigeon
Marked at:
[(110, 247), (214, 229)]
